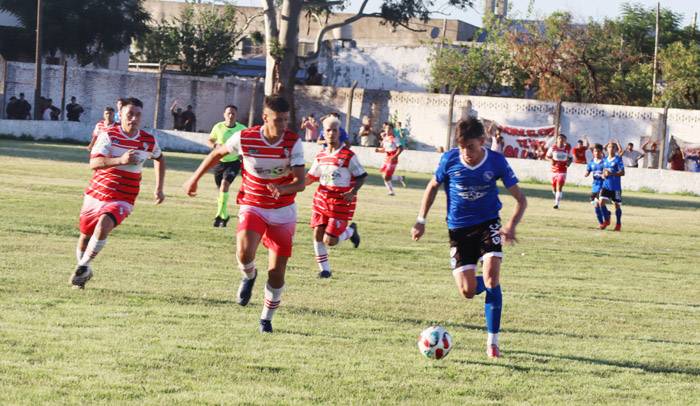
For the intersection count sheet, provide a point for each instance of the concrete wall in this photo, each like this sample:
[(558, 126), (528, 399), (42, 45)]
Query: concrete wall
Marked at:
[(385, 67), (665, 181), (97, 88)]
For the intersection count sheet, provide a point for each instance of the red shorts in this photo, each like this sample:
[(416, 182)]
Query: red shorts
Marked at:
[(334, 227), (558, 179), (276, 237), (93, 209), (388, 167)]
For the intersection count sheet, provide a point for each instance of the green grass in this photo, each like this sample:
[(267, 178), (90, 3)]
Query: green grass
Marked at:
[(590, 316)]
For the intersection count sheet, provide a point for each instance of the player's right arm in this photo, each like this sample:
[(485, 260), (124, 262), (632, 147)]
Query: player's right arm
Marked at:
[(427, 202), (211, 159)]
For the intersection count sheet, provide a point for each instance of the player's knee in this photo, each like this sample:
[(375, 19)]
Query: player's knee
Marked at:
[(330, 240), (466, 292)]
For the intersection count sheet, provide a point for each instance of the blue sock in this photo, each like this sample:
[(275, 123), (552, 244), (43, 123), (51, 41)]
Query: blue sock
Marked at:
[(492, 309), (480, 287), (606, 213), (618, 215), (599, 214)]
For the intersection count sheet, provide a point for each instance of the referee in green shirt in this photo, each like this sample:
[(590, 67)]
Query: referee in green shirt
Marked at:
[(229, 166)]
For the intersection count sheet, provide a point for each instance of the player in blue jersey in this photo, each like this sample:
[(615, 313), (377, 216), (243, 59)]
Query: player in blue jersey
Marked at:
[(613, 169), (595, 168), (469, 174)]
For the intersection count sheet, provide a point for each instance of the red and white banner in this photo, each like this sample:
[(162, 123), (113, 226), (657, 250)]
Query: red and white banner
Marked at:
[(521, 142)]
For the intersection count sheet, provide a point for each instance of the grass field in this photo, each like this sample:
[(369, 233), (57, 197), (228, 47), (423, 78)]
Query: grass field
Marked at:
[(590, 316)]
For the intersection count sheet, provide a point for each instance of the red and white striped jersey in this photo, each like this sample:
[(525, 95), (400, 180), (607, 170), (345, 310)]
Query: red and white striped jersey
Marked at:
[(120, 183), (561, 156), (337, 173), (391, 146), (101, 126), (264, 164)]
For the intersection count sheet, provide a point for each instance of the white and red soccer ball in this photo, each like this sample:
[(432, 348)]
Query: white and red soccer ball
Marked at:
[(435, 342)]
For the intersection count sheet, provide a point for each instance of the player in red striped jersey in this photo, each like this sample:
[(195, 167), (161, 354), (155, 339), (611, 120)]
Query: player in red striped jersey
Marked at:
[(559, 155), (102, 125), (340, 175), (272, 174), (391, 146), (117, 160)]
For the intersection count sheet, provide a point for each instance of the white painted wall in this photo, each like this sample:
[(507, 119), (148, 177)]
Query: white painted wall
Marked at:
[(387, 67), (665, 181)]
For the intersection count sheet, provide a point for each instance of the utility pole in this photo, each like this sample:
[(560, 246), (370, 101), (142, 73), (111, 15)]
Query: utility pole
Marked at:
[(656, 52), (695, 23), (37, 63)]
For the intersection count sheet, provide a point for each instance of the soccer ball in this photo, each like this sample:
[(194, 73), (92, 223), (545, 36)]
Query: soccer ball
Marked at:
[(435, 342)]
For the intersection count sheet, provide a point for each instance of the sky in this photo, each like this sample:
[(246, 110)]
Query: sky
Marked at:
[(582, 10)]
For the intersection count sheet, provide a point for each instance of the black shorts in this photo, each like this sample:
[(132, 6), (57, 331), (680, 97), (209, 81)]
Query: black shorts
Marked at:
[(470, 244), (594, 196), (226, 170), (612, 195)]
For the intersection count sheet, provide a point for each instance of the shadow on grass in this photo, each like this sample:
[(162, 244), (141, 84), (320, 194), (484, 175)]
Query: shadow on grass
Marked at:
[(655, 369)]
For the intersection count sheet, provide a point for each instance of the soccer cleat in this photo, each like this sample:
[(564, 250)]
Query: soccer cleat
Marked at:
[(217, 221), (324, 274), (266, 326), (245, 291), (402, 181), (618, 227), (556, 206), (492, 351), (82, 274), (391, 193), (224, 222), (355, 238), (605, 224)]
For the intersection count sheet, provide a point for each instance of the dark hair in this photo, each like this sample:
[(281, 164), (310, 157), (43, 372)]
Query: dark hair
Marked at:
[(276, 103), (231, 106), (598, 147), (390, 124), (132, 101), (580, 141), (630, 143), (21, 95), (110, 109), (120, 100), (469, 128), (189, 106), (562, 135)]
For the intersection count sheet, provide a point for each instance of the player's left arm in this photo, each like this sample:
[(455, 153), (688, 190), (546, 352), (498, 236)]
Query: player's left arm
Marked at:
[(399, 150), (359, 181), (508, 231), (159, 167)]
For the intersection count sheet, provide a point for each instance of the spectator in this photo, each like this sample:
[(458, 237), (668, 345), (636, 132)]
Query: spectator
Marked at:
[(178, 120), (651, 158), (401, 134), (45, 105), (579, 151), (103, 125), (310, 127), (24, 109), (189, 119), (74, 110), (630, 157), (11, 109), (117, 120), (676, 159), (497, 142), (367, 137), (693, 158), (541, 152)]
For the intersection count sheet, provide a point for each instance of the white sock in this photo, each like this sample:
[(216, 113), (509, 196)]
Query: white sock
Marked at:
[(557, 198), (492, 339), (346, 234), (93, 248), (396, 178), (272, 302), (322, 256), (389, 186), (248, 270)]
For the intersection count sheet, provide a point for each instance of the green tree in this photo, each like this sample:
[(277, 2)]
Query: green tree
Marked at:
[(486, 68), (199, 40), (88, 30), (680, 66)]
